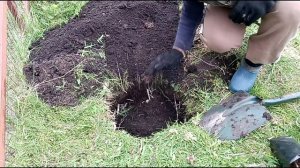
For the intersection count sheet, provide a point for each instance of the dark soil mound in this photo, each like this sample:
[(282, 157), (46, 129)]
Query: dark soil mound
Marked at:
[(143, 111), (131, 33), (134, 33)]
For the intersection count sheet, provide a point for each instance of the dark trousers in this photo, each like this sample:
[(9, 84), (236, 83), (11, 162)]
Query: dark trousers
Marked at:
[(191, 17)]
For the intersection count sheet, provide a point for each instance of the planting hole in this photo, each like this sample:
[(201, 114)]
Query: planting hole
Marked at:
[(142, 111)]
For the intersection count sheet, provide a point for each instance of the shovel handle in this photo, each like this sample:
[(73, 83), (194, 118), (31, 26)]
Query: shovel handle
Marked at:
[(283, 99)]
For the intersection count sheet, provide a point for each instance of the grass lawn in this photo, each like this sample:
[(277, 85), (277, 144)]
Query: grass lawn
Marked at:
[(85, 135)]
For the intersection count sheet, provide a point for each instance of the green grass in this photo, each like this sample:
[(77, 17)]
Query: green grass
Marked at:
[(85, 135)]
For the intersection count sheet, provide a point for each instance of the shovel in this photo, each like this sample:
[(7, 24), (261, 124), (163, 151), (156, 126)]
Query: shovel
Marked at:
[(240, 114)]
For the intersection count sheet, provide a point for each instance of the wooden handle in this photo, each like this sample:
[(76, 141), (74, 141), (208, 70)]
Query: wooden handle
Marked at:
[(3, 60)]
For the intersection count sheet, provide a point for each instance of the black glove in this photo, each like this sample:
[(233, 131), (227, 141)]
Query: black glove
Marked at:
[(249, 11), (163, 61)]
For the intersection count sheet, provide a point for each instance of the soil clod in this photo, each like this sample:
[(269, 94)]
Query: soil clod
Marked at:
[(63, 79)]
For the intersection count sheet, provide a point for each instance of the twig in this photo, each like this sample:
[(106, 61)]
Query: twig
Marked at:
[(236, 154), (141, 147), (122, 120), (118, 109), (121, 79), (139, 81), (212, 65), (164, 94), (149, 93), (176, 107)]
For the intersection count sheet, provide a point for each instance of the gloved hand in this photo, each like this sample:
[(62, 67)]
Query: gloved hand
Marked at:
[(249, 11), (163, 61)]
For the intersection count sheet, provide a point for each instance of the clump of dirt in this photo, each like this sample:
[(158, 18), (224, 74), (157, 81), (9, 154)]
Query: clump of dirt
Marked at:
[(142, 111), (63, 79), (209, 67), (133, 33)]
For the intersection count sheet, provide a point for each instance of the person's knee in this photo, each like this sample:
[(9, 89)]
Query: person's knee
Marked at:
[(219, 33), (220, 45), (288, 12), (219, 48)]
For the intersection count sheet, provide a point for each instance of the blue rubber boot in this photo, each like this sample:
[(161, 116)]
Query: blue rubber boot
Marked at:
[(244, 78)]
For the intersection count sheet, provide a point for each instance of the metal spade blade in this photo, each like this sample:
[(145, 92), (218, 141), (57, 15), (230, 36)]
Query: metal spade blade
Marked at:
[(239, 114)]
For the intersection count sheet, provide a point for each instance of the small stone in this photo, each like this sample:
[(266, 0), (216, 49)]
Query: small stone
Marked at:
[(173, 131), (190, 137), (191, 159), (149, 25), (173, 157)]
